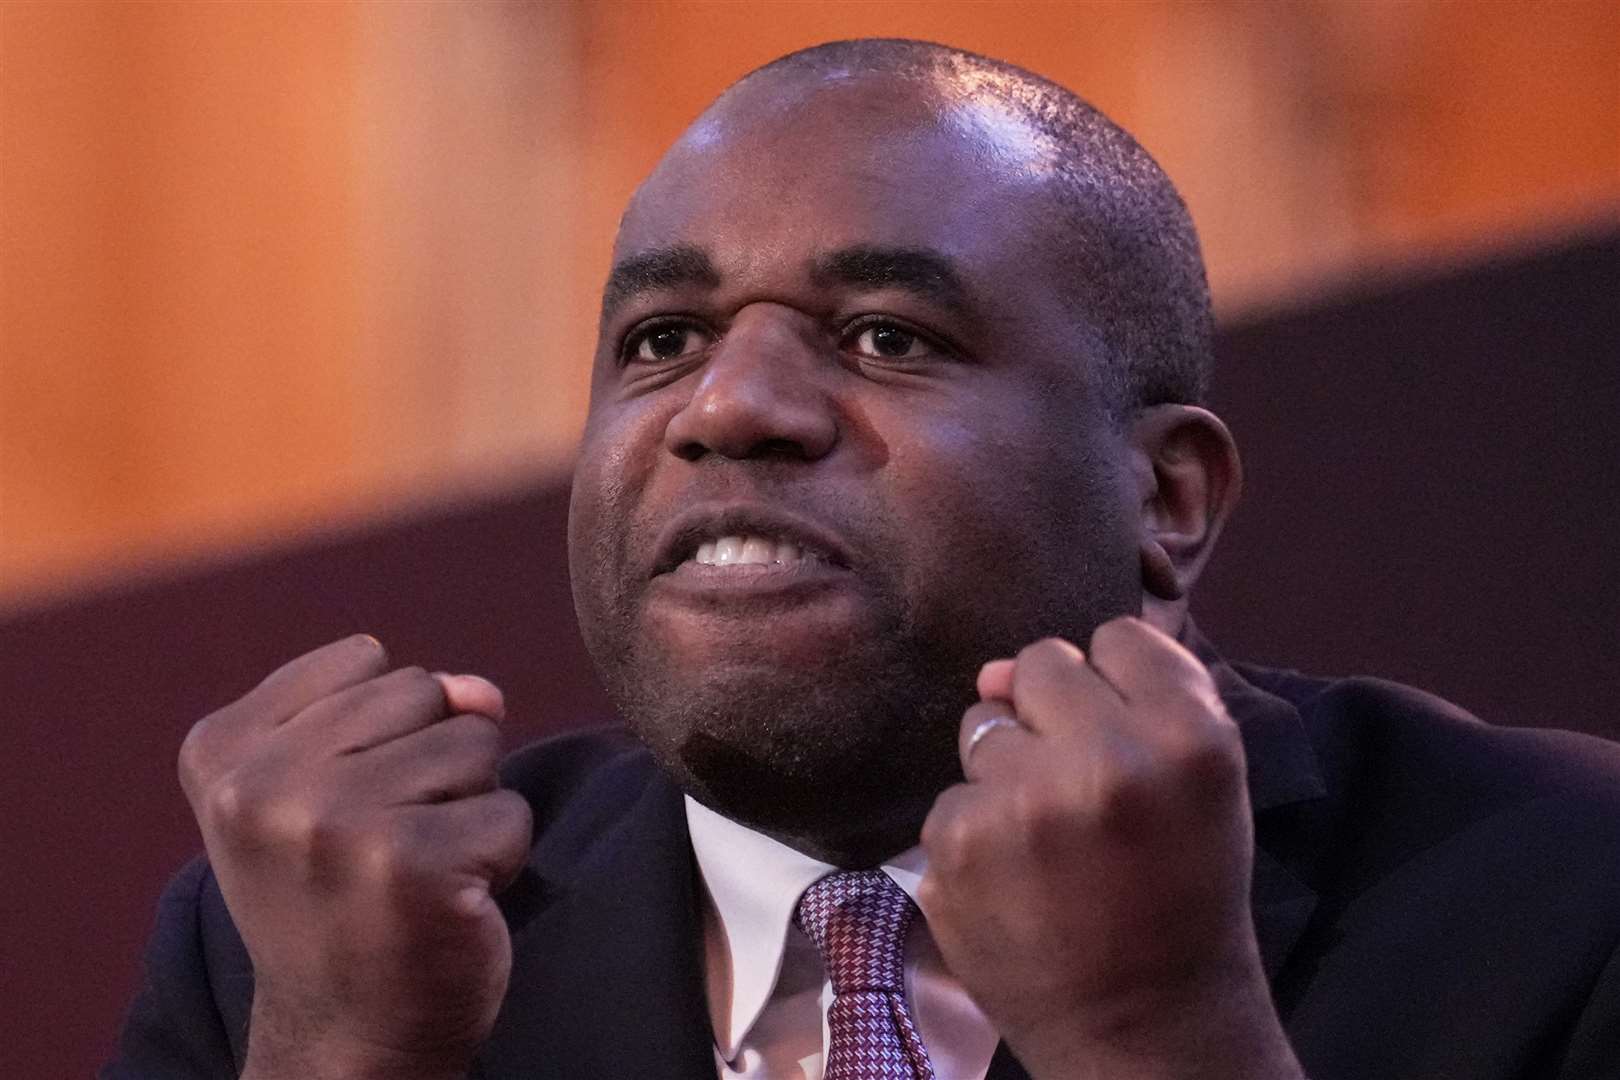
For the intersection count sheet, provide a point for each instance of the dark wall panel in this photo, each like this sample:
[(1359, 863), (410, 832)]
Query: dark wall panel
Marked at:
[(1434, 488)]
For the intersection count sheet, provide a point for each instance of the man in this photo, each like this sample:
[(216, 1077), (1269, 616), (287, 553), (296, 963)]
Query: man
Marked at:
[(893, 489)]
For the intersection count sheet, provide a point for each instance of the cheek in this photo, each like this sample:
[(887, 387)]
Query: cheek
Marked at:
[(957, 496), (616, 455), (1007, 525)]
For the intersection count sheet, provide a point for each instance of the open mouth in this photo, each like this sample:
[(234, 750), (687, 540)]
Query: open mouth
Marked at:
[(745, 539), (751, 550)]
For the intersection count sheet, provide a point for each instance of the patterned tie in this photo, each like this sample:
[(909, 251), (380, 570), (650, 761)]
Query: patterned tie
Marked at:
[(858, 921)]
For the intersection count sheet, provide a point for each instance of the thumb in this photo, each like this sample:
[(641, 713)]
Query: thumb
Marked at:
[(472, 694)]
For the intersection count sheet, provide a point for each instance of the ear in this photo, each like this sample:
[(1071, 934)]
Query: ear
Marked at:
[(1188, 477)]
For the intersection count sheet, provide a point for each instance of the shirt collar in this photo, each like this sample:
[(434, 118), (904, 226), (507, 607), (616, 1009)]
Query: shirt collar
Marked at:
[(754, 883)]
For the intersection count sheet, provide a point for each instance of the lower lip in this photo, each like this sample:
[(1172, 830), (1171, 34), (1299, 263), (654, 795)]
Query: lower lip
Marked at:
[(784, 615)]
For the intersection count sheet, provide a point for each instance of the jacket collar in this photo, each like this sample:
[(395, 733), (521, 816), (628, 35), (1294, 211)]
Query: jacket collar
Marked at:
[(1283, 774), (607, 976)]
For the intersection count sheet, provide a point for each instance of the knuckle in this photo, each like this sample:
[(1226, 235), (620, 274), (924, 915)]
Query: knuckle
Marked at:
[(230, 803), (1210, 755), (1045, 659), (486, 757), (1044, 650), (385, 856), (931, 893), (1045, 822), (470, 758), (1123, 798), (469, 732), (514, 809), (512, 822), (292, 823), (323, 845), (253, 816), (196, 754), (929, 837), (480, 733), (413, 673), (425, 690), (950, 844)]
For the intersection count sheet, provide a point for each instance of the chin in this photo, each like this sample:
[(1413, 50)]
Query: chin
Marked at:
[(811, 755)]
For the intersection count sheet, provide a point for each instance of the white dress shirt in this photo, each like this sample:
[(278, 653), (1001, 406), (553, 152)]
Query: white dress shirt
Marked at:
[(768, 993)]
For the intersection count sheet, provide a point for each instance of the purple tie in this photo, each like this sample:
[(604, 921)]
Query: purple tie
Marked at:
[(858, 921)]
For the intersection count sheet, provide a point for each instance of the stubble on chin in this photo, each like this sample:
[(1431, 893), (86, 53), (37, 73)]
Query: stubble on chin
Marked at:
[(820, 757)]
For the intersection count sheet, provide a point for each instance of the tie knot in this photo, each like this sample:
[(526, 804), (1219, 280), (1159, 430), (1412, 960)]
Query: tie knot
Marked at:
[(858, 921)]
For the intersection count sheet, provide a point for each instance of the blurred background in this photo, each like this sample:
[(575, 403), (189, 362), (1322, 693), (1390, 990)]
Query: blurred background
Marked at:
[(297, 299)]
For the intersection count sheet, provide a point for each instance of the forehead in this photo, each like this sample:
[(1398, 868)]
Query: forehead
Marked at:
[(797, 165)]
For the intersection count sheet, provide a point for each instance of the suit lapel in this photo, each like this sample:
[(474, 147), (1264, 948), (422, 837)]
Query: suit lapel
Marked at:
[(607, 970), (1283, 774)]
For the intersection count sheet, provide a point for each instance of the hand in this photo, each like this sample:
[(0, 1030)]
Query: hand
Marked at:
[(1089, 883), (352, 817)]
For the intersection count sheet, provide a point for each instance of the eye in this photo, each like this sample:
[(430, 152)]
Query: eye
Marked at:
[(663, 342), (890, 341)]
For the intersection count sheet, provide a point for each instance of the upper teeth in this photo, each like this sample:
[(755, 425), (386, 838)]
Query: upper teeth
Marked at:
[(747, 550)]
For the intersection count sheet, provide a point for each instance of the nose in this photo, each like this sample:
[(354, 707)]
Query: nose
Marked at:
[(762, 392)]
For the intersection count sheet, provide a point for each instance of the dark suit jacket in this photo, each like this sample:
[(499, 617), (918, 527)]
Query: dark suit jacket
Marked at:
[(1434, 898)]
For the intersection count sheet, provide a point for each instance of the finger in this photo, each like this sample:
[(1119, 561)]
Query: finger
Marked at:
[(949, 840), (315, 675), (1143, 663), (370, 713), (452, 759), (990, 740), (215, 742), (1054, 689), (472, 694), (485, 837), (996, 680)]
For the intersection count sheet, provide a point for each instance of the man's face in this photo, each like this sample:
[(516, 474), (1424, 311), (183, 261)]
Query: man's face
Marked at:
[(844, 446)]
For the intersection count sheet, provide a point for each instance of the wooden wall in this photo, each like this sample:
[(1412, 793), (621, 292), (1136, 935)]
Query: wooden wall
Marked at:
[(271, 268)]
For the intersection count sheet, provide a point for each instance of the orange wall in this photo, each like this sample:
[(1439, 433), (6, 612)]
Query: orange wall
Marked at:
[(274, 267)]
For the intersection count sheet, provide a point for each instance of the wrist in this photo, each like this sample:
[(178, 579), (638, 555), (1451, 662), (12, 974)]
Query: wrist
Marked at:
[(1220, 1032), (288, 1047), (335, 1061)]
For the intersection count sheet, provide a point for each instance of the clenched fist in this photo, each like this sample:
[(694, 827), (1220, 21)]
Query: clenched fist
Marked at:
[(352, 817), (1089, 883)]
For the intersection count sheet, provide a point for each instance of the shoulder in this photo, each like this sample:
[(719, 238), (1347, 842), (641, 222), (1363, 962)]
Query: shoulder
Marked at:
[(1465, 909), (1416, 782), (1404, 737)]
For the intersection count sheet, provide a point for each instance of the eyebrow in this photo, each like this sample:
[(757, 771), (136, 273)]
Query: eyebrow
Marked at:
[(928, 273), (661, 268)]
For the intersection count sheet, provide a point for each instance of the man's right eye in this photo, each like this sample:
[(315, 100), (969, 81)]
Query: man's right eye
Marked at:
[(664, 342)]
